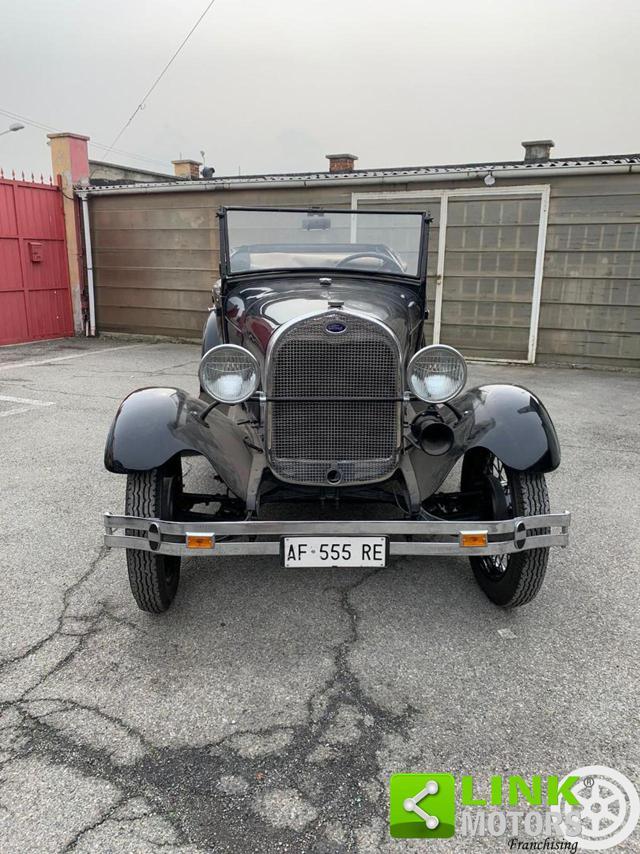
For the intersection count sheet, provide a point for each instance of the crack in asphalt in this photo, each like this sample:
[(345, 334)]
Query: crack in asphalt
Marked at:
[(74, 395), (157, 372), (67, 705), (48, 743), (69, 591), (311, 792), (164, 370), (90, 827)]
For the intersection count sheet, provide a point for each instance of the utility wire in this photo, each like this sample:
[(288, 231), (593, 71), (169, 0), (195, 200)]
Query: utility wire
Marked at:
[(27, 121), (42, 126), (141, 105)]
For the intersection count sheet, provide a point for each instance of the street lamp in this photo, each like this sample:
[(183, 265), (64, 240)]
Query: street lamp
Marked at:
[(12, 128)]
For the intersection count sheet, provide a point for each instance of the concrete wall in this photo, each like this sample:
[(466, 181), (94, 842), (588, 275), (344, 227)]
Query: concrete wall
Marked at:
[(101, 171), (156, 259)]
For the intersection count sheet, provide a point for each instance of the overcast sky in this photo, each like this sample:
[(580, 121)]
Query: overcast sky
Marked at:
[(274, 85)]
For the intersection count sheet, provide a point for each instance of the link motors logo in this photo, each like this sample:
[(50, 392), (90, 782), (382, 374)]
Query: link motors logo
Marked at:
[(609, 807), (592, 808)]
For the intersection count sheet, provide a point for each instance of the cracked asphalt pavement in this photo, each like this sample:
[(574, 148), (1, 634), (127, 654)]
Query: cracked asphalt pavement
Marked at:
[(266, 710)]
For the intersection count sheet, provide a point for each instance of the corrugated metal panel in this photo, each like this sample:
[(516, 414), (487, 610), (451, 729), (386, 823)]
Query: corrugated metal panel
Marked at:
[(164, 249), (489, 267), (593, 264), (49, 312), (49, 273), (574, 291), (13, 318), (8, 226), (117, 239), (488, 289), (156, 261), (174, 299), (586, 347), (613, 319), (39, 212), (153, 321), (10, 268), (196, 280), (163, 217), (35, 301), (591, 286), (594, 237)]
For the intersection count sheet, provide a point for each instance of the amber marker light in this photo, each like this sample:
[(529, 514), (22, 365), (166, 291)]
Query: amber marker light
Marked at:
[(200, 541), (473, 539)]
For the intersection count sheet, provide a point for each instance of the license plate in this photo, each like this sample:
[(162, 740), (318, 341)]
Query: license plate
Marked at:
[(334, 551)]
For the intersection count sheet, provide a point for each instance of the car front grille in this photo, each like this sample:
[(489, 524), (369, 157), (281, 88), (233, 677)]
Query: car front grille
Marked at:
[(334, 401)]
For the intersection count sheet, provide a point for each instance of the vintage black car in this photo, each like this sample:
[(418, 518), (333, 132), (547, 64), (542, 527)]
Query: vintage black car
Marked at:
[(317, 388)]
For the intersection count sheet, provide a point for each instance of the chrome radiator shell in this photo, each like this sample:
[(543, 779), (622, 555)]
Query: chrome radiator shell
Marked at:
[(334, 400)]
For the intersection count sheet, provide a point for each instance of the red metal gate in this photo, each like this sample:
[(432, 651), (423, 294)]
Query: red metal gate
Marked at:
[(35, 299)]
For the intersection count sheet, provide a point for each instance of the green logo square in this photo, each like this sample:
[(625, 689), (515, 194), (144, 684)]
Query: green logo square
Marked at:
[(422, 806)]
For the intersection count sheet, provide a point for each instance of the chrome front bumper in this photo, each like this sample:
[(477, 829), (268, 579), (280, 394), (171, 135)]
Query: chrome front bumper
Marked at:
[(429, 537)]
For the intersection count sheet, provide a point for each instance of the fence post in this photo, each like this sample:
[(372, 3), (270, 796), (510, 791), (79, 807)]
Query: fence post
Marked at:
[(70, 162)]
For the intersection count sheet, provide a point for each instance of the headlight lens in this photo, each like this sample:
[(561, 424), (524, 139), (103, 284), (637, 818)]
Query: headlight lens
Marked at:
[(229, 373), (437, 373)]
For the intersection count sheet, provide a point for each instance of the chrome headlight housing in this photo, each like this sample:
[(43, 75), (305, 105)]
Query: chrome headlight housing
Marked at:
[(437, 373), (229, 373)]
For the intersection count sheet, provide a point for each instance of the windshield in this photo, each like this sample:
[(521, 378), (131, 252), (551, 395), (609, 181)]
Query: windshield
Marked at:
[(370, 242)]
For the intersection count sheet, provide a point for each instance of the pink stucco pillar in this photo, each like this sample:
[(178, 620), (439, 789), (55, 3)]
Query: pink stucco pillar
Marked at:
[(70, 163)]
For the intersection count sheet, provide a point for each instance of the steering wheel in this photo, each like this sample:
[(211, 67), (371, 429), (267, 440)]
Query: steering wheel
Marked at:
[(389, 265)]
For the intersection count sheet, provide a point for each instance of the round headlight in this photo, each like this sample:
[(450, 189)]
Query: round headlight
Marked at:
[(437, 373), (229, 373)]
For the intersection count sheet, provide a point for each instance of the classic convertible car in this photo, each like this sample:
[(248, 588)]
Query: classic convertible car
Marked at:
[(317, 388)]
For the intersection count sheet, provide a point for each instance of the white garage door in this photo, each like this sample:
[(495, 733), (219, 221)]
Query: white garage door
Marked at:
[(486, 253)]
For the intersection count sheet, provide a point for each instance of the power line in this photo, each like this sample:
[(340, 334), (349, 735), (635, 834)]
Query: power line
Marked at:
[(42, 126), (141, 105), (27, 121), (128, 153)]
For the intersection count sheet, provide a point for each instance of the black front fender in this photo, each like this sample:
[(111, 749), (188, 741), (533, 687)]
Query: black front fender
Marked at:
[(211, 332), (507, 420), (512, 423), (153, 425)]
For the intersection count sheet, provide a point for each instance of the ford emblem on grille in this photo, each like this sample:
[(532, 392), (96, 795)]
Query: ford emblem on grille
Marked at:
[(335, 327)]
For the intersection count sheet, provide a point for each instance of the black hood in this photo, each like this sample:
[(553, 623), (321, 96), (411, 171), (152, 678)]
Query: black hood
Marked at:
[(254, 310)]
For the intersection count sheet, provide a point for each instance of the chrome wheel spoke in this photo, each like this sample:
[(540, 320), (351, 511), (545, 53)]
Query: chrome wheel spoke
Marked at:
[(497, 565)]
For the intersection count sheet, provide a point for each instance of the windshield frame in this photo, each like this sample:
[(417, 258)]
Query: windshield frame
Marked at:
[(227, 275)]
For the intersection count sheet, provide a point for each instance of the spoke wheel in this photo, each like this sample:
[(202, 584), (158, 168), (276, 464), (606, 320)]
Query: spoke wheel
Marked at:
[(512, 579), (501, 503)]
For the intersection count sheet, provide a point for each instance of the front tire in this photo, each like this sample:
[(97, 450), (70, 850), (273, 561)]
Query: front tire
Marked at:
[(153, 578), (513, 579)]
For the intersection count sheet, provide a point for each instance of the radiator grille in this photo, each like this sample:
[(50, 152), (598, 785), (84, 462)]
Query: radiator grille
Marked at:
[(333, 401)]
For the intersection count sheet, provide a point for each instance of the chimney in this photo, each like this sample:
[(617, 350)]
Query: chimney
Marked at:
[(341, 162), (537, 149), (189, 170)]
